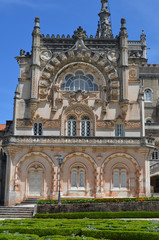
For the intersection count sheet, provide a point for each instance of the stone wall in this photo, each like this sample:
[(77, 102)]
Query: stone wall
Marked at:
[(99, 207)]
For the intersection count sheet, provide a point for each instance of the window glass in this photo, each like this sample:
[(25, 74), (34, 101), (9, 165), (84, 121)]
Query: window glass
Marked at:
[(79, 82), (119, 130), (148, 95), (74, 178), (116, 179), (81, 178), (38, 129), (123, 179), (155, 155), (85, 127), (71, 126)]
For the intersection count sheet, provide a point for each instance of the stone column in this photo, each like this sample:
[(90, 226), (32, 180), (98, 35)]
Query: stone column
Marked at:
[(104, 99), (54, 88), (123, 64)]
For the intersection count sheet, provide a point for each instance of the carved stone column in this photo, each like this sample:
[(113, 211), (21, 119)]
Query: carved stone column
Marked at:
[(35, 59), (54, 89), (123, 67), (104, 98)]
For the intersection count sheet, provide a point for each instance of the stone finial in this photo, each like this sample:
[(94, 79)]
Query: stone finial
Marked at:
[(37, 21), (79, 34), (123, 22), (123, 31), (143, 37), (104, 25)]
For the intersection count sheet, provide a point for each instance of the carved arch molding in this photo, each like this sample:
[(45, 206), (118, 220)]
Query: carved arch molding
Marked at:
[(95, 61)]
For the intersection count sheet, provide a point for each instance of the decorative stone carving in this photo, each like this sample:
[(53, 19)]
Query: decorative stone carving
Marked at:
[(133, 74), (133, 125), (112, 56), (104, 125), (79, 34), (124, 108), (46, 55)]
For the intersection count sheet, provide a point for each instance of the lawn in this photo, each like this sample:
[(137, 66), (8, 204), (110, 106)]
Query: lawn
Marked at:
[(88, 229)]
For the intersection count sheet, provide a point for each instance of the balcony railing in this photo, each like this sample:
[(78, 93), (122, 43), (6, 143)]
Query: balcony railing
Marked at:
[(77, 141)]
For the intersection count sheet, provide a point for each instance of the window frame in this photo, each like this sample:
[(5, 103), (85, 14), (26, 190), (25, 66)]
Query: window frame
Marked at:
[(78, 186), (85, 126), (119, 185), (148, 98), (72, 121), (119, 130), (38, 129)]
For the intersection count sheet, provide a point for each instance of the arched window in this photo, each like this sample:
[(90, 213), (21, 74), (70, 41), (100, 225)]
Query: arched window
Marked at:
[(79, 82), (71, 126), (148, 95), (119, 178), (38, 129), (155, 155), (78, 177), (85, 127)]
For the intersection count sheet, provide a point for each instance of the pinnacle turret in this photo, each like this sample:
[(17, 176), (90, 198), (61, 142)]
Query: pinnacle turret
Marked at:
[(104, 25)]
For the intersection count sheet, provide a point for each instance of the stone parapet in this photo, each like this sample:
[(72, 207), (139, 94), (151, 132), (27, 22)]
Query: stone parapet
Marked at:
[(82, 141)]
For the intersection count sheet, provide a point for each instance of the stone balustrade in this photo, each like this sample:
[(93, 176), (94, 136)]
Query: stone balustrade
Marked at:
[(77, 141)]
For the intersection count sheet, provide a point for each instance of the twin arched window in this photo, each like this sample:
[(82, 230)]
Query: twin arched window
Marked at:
[(120, 178), (78, 177), (85, 127), (79, 82), (148, 95)]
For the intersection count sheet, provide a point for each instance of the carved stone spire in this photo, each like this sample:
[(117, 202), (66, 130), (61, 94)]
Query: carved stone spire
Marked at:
[(104, 25)]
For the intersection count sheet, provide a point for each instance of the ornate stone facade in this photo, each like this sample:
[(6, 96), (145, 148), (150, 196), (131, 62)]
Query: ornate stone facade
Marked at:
[(81, 98)]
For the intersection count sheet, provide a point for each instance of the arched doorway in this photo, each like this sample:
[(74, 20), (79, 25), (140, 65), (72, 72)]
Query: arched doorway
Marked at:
[(36, 181)]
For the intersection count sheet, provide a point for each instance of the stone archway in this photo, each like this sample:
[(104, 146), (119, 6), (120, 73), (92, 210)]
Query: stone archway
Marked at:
[(34, 176), (79, 161), (120, 161)]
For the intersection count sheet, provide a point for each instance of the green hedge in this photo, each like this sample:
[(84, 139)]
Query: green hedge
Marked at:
[(100, 215), (103, 200), (17, 236), (42, 231), (131, 235)]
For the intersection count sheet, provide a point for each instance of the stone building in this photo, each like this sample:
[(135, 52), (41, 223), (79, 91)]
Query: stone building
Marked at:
[(80, 97)]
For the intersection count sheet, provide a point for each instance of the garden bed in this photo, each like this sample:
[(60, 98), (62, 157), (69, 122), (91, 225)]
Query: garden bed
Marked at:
[(77, 229)]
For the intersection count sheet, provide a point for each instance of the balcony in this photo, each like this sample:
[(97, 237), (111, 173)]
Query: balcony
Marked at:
[(77, 141)]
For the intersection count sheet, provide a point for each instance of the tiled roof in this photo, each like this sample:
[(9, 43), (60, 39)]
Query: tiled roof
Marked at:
[(2, 127)]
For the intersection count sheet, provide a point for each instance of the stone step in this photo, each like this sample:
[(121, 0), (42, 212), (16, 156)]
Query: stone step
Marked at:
[(16, 212)]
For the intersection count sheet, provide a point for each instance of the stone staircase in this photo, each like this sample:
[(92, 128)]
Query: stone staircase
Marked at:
[(24, 209), (16, 212)]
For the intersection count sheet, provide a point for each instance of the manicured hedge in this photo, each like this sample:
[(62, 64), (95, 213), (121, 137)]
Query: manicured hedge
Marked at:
[(98, 215), (126, 235), (17, 236), (94, 200)]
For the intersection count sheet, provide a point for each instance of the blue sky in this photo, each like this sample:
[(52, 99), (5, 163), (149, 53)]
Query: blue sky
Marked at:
[(63, 17)]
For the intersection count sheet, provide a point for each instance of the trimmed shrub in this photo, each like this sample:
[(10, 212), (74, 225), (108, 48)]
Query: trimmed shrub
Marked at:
[(95, 200), (99, 215), (116, 235)]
